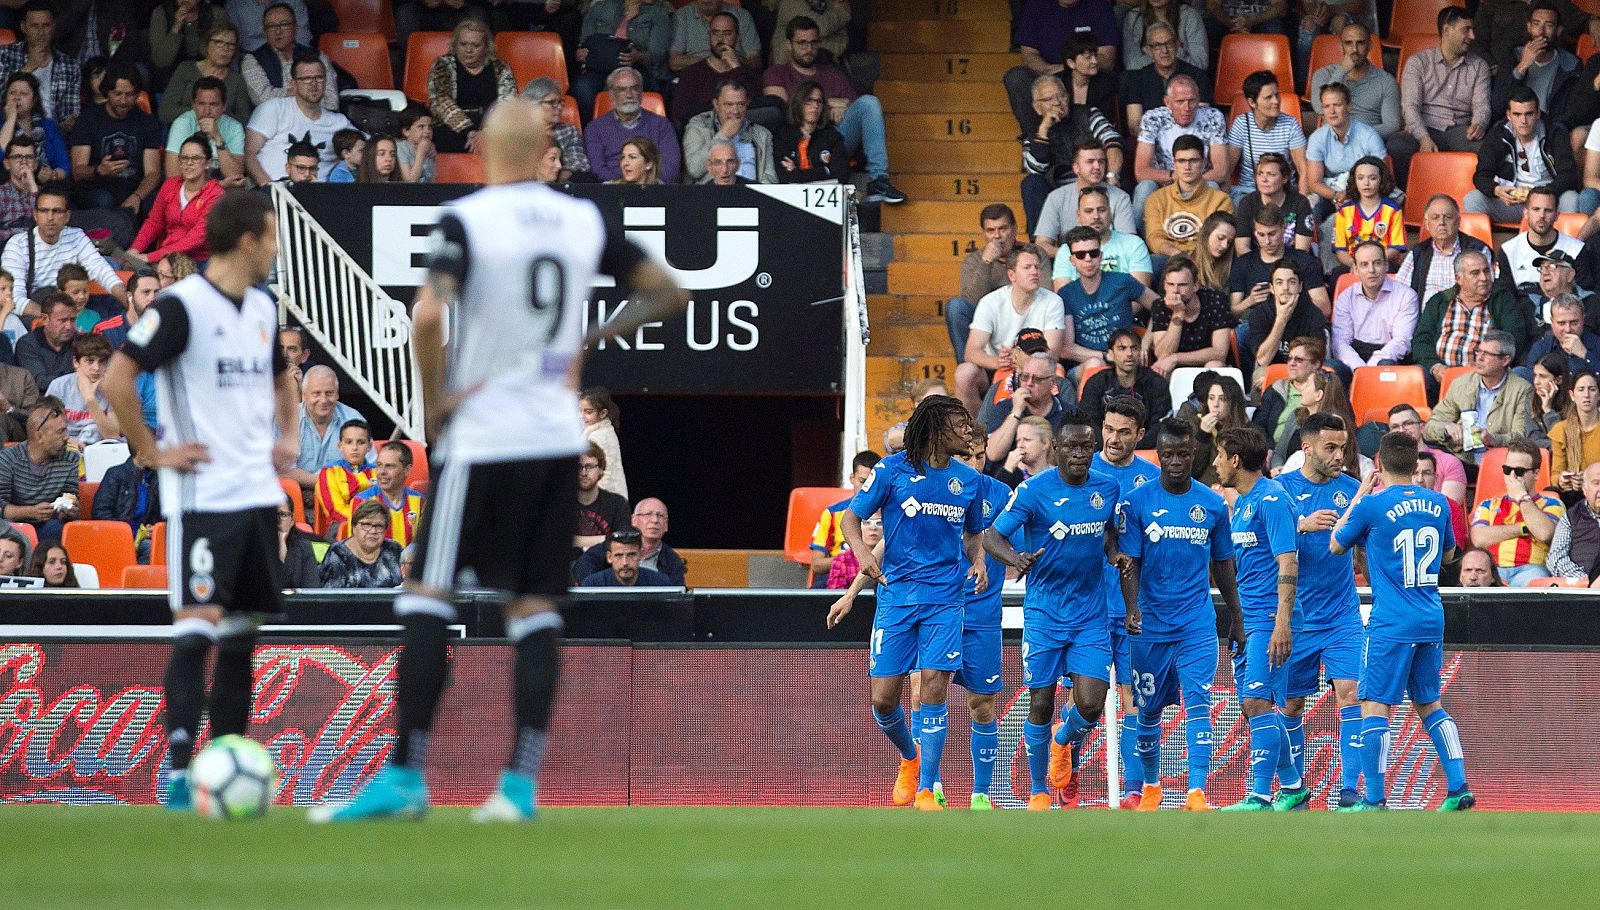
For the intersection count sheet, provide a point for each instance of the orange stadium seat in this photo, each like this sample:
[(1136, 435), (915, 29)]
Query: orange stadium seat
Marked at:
[(151, 576), (106, 545), (459, 167), (418, 478), (533, 54), (365, 16), (1148, 455), (1273, 373), (569, 113), (422, 48), (1241, 55), (7, 36), (297, 499), (26, 530), (1325, 50), (1586, 46), (1412, 16), (144, 102), (1449, 173), (1478, 225), (86, 493), (653, 102), (1345, 280), (1491, 481), (805, 505), (1416, 43), (1555, 581), (1377, 389), (1451, 374), (365, 55), (1569, 223), (158, 543)]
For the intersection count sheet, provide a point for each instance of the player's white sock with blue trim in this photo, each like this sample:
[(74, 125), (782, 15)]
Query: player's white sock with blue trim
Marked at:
[(1266, 735), (1375, 755), (932, 742), (893, 726), (1150, 748), (985, 745), (1036, 737), (1197, 729), (1128, 746), (1447, 744), (1291, 761), (1350, 748)]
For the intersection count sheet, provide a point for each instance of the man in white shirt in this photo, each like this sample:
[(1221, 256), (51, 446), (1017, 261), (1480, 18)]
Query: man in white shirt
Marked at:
[(278, 123), (34, 257), (1000, 315)]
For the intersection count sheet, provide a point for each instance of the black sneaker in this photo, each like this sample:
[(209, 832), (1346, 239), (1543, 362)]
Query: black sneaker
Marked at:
[(879, 189)]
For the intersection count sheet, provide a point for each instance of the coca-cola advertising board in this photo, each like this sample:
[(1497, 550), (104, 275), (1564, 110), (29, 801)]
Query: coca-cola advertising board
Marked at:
[(81, 722)]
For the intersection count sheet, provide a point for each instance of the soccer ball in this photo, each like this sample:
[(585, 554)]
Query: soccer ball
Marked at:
[(233, 778)]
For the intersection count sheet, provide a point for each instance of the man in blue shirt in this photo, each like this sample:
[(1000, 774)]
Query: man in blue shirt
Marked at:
[(1066, 516), (932, 525), (1121, 428), (1263, 533), (1406, 533), (1176, 532), (1327, 629)]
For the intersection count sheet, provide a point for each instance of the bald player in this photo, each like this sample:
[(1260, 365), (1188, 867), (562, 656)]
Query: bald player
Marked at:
[(512, 263)]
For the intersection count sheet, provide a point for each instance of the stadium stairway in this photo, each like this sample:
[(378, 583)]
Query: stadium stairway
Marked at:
[(953, 150)]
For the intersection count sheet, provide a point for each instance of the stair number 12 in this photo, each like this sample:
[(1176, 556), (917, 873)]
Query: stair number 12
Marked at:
[(1419, 556)]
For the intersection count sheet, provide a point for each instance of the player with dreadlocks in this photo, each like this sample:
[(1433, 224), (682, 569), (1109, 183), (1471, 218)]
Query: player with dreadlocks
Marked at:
[(932, 533)]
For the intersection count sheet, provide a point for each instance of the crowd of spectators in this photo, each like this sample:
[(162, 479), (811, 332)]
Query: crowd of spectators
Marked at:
[(1241, 263)]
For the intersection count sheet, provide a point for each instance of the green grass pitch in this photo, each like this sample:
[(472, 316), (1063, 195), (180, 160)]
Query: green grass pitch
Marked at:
[(130, 858)]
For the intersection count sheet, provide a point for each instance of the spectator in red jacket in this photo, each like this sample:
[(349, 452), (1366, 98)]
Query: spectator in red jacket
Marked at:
[(177, 222)]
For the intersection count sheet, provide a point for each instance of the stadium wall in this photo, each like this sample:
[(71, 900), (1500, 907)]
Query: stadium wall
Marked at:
[(80, 723)]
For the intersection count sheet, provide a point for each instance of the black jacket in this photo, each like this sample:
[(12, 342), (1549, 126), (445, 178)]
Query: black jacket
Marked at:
[(593, 560), (1560, 89), (829, 159), (1499, 146), (118, 496), (1148, 387)]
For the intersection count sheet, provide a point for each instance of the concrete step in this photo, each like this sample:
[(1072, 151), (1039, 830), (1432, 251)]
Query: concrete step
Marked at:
[(1000, 127), (987, 10), (947, 66), (927, 217), (968, 157), (892, 376), (907, 309), (912, 97), (876, 250), (910, 340), (944, 248), (924, 278), (952, 187), (935, 36)]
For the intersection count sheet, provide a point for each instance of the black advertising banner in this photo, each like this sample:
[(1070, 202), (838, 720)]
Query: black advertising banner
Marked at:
[(763, 266)]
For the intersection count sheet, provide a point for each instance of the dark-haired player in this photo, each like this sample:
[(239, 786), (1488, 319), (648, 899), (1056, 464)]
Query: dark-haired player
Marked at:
[(1121, 427), (932, 507), (1406, 533), (512, 263), (1328, 634), (223, 387), (1264, 548), (1066, 516), (1177, 533)]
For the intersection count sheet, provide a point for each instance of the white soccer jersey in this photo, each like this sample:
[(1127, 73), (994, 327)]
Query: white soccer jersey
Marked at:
[(525, 256), (215, 363)]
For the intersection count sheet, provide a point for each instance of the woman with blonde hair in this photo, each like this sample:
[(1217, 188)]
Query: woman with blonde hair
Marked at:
[(464, 84), (1575, 439), (639, 162), (1213, 255)]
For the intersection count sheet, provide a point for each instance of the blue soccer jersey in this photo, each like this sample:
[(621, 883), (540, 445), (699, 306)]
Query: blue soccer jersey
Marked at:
[(1327, 597), (1069, 523), (983, 610), (924, 516), (1262, 529), (1406, 532), (1129, 477), (1175, 537)]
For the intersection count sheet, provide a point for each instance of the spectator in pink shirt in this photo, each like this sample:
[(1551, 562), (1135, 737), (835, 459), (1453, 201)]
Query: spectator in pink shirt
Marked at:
[(1374, 318), (1451, 478), (845, 565)]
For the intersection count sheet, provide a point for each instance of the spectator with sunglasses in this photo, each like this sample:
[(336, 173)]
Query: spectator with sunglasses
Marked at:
[(624, 551), (1518, 525), (39, 478)]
